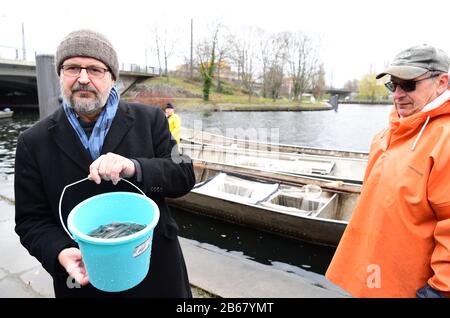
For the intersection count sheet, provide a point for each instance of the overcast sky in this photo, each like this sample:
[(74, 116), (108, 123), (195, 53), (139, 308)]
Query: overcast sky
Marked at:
[(355, 35)]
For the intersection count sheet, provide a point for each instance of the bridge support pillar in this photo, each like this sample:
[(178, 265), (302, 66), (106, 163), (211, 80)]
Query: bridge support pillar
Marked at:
[(48, 85)]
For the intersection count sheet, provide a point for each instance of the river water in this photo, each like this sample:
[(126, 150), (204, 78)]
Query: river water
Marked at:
[(351, 128)]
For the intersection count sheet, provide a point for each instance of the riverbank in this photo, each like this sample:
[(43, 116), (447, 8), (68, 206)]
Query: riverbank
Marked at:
[(365, 102), (220, 107), (187, 95)]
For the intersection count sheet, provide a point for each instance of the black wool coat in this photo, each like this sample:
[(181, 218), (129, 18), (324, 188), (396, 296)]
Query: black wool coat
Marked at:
[(50, 156)]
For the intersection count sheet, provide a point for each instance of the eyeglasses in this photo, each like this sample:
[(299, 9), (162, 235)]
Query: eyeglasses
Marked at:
[(407, 86), (93, 71)]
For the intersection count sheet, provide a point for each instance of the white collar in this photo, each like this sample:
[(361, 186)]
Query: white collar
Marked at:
[(445, 96)]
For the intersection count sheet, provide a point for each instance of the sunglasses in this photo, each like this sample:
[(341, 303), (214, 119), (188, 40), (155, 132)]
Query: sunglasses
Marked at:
[(407, 86)]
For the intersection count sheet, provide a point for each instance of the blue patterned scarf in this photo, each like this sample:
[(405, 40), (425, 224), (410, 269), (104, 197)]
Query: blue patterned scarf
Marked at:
[(95, 142)]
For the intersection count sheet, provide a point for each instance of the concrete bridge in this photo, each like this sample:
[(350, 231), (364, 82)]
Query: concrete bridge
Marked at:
[(18, 85), (342, 93)]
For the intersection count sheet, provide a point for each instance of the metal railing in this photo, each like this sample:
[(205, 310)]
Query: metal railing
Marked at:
[(17, 54), (142, 69), (20, 54)]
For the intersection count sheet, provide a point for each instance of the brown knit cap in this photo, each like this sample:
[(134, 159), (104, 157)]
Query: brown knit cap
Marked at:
[(87, 43)]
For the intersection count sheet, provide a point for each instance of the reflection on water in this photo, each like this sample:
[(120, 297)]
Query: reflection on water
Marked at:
[(283, 253), (10, 128)]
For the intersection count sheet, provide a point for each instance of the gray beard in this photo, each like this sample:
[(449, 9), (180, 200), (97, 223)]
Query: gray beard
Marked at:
[(85, 106)]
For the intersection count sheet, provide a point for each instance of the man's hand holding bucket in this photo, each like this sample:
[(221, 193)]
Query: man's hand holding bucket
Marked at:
[(71, 260), (111, 167)]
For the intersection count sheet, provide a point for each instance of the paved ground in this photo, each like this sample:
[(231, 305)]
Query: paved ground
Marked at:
[(212, 271)]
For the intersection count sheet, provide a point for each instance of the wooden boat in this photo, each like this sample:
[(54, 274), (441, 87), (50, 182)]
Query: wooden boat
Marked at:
[(287, 208), (192, 136), (6, 114), (327, 167)]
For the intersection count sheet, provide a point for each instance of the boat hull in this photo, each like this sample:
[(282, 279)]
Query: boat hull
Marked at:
[(315, 230), (324, 225), (6, 114), (205, 138)]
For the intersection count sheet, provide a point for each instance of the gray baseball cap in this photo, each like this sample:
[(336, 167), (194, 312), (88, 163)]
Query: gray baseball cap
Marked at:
[(417, 60)]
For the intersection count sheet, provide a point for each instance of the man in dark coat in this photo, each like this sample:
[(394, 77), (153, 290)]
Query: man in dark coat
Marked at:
[(95, 134)]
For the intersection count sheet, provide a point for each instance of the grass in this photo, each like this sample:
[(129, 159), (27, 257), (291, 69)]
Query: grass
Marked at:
[(234, 99), (190, 86)]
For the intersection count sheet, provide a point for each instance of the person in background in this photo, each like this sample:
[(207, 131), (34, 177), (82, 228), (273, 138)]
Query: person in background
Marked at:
[(97, 135), (397, 243), (174, 122)]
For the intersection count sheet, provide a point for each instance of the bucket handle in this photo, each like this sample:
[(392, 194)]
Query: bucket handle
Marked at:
[(74, 183)]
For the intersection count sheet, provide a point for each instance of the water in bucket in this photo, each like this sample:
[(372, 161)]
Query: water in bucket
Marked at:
[(115, 264)]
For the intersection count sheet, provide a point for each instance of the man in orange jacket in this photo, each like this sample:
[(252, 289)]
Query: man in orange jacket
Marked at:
[(397, 243)]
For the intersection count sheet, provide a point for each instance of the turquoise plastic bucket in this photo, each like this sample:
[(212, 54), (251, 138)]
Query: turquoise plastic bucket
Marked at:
[(116, 264)]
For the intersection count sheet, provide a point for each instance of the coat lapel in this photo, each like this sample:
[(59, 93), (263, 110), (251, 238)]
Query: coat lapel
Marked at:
[(122, 122), (66, 138)]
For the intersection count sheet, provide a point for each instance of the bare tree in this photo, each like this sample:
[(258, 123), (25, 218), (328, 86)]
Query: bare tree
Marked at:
[(165, 47), (243, 57), (274, 80), (223, 46), (157, 47), (265, 52), (248, 79), (169, 44), (318, 83), (206, 53), (302, 61), (273, 60)]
